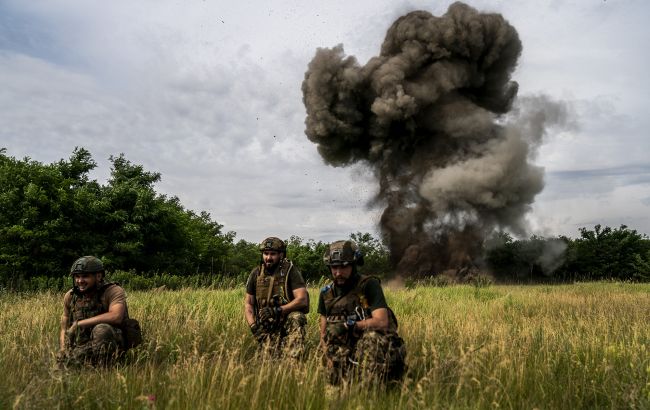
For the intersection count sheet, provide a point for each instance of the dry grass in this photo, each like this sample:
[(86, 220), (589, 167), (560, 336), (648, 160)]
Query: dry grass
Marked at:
[(578, 346)]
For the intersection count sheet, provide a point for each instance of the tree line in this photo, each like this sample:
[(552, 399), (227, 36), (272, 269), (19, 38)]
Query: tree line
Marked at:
[(601, 253), (50, 214)]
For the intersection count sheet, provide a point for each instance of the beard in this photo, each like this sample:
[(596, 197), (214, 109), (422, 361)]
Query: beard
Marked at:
[(271, 266)]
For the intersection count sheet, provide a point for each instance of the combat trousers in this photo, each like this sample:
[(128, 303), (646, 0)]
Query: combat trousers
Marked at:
[(373, 356), (287, 340), (104, 345)]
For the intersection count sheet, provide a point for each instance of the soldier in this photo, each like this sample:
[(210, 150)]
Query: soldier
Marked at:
[(94, 315), (357, 328), (276, 301)]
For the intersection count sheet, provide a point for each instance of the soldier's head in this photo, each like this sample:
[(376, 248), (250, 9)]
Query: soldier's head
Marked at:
[(87, 272), (343, 257), (273, 251)]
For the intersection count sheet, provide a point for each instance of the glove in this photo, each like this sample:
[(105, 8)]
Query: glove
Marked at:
[(258, 332), (71, 333), (270, 314)]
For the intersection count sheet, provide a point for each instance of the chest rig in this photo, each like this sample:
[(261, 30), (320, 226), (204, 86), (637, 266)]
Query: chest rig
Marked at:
[(352, 304), (271, 289), (339, 308), (85, 306)]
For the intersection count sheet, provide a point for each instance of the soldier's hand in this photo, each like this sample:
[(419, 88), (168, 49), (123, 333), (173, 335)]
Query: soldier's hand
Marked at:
[(270, 314), (72, 330), (266, 314)]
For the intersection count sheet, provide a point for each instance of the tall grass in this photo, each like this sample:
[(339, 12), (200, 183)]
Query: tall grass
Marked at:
[(569, 346)]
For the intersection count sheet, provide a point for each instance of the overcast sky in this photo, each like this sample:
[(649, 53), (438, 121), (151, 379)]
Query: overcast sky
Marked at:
[(208, 94)]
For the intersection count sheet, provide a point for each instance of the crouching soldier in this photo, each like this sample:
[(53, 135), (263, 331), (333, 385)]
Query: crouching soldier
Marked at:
[(358, 330), (276, 302), (95, 326)]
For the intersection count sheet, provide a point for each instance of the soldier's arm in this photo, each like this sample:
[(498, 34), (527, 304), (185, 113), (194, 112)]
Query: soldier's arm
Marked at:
[(249, 308), (379, 309), (322, 325), (64, 327), (65, 319), (113, 317), (299, 302), (378, 321)]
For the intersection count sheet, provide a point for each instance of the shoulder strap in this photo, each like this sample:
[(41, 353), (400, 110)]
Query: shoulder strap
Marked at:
[(286, 282)]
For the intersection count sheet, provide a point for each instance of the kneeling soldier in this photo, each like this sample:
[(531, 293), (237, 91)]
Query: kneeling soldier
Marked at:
[(94, 316), (276, 301), (357, 328)]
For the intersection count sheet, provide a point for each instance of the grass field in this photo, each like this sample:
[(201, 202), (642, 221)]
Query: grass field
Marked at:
[(516, 347)]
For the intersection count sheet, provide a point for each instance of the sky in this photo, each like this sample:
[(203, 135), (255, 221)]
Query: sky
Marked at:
[(207, 93)]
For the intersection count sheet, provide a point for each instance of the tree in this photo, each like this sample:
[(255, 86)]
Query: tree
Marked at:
[(52, 214), (38, 218), (606, 253), (308, 256), (375, 254)]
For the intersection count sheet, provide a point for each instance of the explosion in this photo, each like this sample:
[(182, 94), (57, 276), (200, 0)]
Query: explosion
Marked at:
[(428, 116)]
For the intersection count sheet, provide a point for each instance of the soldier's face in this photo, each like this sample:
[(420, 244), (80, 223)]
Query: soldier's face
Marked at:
[(341, 274), (86, 281), (271, 258)]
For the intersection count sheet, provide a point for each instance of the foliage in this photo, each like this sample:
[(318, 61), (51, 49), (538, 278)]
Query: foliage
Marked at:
[(606, 253), (530, 259), (601, 253), (375, 254), (308, 257), (52, 214)]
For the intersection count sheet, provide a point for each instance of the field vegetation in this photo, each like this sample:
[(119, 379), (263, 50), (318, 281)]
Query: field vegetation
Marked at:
[(546, 346)]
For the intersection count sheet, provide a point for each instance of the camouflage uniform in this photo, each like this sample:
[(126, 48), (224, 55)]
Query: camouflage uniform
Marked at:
[(371, 354), (96, 345), (374, 353), (277, 335)]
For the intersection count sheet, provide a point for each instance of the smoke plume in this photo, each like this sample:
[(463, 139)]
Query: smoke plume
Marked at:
[(429, 116)]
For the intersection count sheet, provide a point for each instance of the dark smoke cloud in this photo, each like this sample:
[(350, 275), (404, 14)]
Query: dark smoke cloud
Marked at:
[(428, 115)]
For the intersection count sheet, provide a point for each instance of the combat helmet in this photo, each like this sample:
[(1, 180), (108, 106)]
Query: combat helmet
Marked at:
[(273, 244), (87, 264), (343, 253)]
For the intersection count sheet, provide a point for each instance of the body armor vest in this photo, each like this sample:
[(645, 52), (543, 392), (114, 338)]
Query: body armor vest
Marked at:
[(352, 304), (85, 306), (271, 289)]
